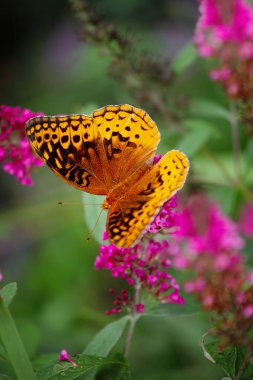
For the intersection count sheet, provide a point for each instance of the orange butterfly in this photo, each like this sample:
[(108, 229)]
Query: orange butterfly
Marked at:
[(111, 153)]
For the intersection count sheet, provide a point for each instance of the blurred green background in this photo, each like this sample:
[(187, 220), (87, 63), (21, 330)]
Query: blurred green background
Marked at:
[(61, 299)]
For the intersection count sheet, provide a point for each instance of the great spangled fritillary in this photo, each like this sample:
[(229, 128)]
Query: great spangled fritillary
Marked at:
[(111, 153)]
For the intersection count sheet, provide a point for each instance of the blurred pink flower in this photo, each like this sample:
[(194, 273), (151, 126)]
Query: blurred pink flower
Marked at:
[(65, 356), (15, 152), (246, 220), (206, 228), (225, 32), (210, 244)]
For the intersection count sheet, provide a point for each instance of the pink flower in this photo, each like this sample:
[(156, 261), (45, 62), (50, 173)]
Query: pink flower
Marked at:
[(64, 356), (246, 220), (211, 246), (248, 311), (203, 228), (165, 219), (225, 32), (124, 302), (145, 265), (15, 152)]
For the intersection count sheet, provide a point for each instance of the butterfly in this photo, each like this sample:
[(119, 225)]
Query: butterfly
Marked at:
[(111, 153)]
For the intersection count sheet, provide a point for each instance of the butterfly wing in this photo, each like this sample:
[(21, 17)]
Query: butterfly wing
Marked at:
[(67, 144), (128, 218), (95, 153), (129, 136)]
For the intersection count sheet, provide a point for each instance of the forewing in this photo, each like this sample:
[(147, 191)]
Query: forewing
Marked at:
[(68, 145), (128, 218), (95, 153), (129, 137)]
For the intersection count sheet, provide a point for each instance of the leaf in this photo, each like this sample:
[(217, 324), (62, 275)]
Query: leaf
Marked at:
[(84, 364), (44, 360), (12, 342), (8, 292), (94, 218), (231, 360), (198, 134), (186, 56), (117, 372), (105, 340), (207, 108), (226, 358), (5, 377), (205, 352)]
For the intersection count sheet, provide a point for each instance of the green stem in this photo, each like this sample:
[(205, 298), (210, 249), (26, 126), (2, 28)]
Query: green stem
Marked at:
[(14, 345), (220, 165), (133, 319), (235, 142)]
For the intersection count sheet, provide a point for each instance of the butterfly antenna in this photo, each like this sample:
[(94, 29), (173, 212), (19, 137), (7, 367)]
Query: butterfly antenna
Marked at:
[(93, 229), (78, 203)]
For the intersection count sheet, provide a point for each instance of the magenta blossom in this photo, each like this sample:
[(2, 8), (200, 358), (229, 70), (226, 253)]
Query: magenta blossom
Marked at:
[(15, 152), (148, 269), (225, 32), (65, 356), (124, 302), (246, 220), (207, 243)]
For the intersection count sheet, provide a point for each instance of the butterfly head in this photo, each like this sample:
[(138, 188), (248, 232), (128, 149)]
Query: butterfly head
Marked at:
[(106, 204)]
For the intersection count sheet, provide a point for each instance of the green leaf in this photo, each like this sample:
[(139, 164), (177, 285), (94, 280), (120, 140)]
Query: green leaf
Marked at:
[(231, 360), (94, 218), (4, 377), (186, 57), (197, 135), (84, 364), (226, 358), (207, 108), (105, 340), (13, 343), (44, 360), (115, 372), (8, 292)]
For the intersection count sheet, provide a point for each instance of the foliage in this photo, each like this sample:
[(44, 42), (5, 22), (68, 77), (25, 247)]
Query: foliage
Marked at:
[(198, 249)]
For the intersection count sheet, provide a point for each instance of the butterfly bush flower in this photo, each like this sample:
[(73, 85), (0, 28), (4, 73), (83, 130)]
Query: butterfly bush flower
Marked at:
[(64, 356), (16, 155), (209, 247), (246, 220), (225, 32), (144, 266)]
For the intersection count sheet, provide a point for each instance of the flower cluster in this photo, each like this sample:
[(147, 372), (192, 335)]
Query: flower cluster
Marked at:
[(144, 266), (208, 244), (16, 155), (124, 302), (225, 32)]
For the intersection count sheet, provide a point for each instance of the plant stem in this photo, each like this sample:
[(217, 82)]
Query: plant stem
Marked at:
[(129, 335), (133, 319), (235, 142), (220, 165), (14, 345)]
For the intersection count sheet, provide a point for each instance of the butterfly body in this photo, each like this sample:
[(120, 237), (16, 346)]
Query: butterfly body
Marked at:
[(111, 153)]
